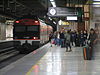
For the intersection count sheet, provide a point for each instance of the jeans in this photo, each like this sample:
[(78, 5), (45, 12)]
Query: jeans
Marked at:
[(62, 43), (68, 45), (58, 41), (81, 42)]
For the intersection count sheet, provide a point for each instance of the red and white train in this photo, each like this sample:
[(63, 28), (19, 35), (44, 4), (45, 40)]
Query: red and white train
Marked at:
[(30, 33)]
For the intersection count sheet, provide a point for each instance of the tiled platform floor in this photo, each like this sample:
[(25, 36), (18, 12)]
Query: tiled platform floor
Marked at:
[(56, 62)]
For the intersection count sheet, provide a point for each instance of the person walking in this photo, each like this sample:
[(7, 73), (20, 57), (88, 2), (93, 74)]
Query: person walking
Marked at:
[(62, 38), (58, 38), (73, 36), (67, 37), (55, 37)]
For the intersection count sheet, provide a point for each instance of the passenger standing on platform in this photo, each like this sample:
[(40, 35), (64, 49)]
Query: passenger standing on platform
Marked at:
[(55, 37), (85, 37), (75, 32), (92, 37), (73, 35), (62, 38), (58, 38), (98, 36), (81, 38), (77, 39), (68, 37), (50, 36)]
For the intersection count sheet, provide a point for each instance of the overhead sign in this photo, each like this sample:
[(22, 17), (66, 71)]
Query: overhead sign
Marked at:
[(59, 11), (72, 18), (65, 23)]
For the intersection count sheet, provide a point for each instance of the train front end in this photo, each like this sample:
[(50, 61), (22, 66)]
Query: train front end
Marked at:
[(26, 34)]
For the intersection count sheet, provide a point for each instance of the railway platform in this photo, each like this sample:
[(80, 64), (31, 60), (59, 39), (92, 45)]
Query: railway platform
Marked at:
[(55, 60)]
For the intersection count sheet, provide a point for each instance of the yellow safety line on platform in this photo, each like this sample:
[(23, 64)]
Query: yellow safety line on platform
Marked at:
[(33, 67)]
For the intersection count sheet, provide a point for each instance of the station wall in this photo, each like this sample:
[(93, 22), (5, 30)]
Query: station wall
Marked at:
[(2, 31)]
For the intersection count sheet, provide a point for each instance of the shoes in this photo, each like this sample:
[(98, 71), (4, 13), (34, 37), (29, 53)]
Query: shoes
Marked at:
[(66, 50), (70, 50)]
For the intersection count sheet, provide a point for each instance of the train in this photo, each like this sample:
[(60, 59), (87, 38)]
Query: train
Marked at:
[(29, 33)]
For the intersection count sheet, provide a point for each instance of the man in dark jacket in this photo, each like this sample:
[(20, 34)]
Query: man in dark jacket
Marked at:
[(77, 39), (73, 36), (81, 38), (92, 37)]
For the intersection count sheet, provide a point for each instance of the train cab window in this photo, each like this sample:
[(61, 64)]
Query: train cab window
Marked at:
[(32, 28), (20, 29)]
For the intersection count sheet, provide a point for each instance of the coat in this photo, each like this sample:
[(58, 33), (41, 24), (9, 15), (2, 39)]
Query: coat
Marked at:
[(67, 37)]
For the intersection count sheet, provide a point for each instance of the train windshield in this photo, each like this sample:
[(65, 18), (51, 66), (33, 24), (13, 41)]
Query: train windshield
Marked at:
[(26, 28), (32, 28), (20, 29)]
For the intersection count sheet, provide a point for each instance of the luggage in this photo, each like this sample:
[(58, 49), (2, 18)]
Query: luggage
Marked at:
[(53, 41), (87, 52)]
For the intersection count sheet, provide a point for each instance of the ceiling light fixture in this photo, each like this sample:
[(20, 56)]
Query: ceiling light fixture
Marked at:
[(96, 3), (54, 22), (53, 4), (51, 0), (96, 0), (50, 18)]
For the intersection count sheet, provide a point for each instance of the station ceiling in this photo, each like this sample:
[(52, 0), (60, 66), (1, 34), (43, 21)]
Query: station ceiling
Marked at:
[(62, 3), (17, 8)]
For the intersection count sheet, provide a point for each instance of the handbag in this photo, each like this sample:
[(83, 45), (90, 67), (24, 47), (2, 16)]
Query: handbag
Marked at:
[(53, 41)]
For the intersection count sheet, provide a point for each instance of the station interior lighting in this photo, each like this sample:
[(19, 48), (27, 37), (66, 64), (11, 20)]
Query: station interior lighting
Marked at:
[(53, 3), (96, 0), (60, 22), (54, 22), (50, 18), (96, 3), (52, 0)]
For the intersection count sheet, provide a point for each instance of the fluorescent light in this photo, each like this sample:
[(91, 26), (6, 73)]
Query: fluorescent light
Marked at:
[(96, 0), (50, 18), (53, 4), (51, 0), (96, 3), (54, 22), (60, 22), (71, 17)]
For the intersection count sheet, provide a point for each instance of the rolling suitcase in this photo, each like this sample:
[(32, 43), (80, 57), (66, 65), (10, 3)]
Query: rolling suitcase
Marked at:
[(87, 52)]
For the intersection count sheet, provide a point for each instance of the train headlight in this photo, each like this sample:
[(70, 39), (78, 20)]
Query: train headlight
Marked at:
[(36, 21), (35, 37)]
